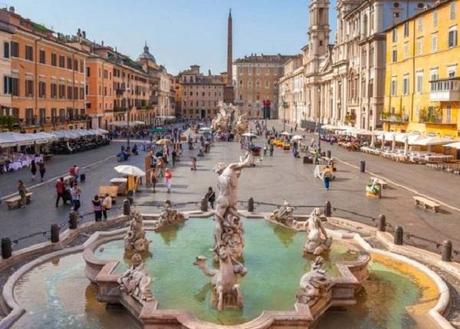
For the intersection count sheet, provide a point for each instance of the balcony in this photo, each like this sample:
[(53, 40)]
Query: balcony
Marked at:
[(394, 117), (119, 109), (436, 118), (445, 90)]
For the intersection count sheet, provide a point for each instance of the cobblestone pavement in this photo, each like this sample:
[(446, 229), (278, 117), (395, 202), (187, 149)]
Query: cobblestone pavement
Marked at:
[(274, 179)]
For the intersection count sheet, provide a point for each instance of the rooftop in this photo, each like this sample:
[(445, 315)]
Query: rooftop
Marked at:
[(254, 58)]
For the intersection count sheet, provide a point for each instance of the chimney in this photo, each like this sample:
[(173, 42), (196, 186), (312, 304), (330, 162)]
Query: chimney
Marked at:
[(209, 72), (102, 43), (12, 9), (79, 33)]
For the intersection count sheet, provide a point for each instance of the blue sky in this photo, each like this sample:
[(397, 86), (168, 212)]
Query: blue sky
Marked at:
[(179, 32)]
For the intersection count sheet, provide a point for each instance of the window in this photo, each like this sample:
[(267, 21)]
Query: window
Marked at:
[(42, 57), (15, 86), (75, 65), (453, 10), (69, 63), (406, 85), (6, 50), (434, 76), (61, 91), (419, 82), (435, 19), (420, 25), (61, 61), (371, 57), (394, 56), (42, 115), (406, 29), (42, 89), (29, 53), (88, 71), (53, 90), (7, 87), (394, 35), (451, 71), (53, 59), (406, 50), (82, 66), (29, 88), (69, 92), (434, 42), (419, 46), (452, 37), (14, 49), (371, 88), (393, 87)]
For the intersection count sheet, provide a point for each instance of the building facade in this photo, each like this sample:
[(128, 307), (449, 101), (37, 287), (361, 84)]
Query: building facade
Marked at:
[(422, 88), (200, 94), (256, 80), (47, 82), (6, 31), (345, 81), (292, 91)]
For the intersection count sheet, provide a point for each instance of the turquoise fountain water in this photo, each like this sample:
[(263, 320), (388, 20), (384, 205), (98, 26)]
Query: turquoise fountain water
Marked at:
[(273, 255)]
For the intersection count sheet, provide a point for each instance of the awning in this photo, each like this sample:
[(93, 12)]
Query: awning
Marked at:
[(455, 145)]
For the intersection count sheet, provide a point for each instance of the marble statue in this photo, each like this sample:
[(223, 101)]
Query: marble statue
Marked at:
[(283, 215), (241, 125), (224, 280), (314, 285), (317, 240), (229, 119), (229, 231), (135, 282), (135, 240), (169, 216), (221, 122)]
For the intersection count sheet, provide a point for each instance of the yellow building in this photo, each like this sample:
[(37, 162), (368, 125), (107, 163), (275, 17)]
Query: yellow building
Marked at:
[(422, 82)]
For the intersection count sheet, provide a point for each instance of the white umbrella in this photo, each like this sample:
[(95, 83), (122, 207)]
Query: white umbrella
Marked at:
[(205, 129), (249, 135), (285, 133), (455, 145), (433, 140), (297, 138), (129, 170)]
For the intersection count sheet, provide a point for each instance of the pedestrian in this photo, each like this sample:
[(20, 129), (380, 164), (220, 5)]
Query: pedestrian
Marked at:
[(97, 207), (168, 179), (174, 156), (211, 197), (193, 163), (73, 171), (42, 170), (60, 190), (22, 193), (33, 169), (106, 205), (75, 192), (271, 149), (327, 181)]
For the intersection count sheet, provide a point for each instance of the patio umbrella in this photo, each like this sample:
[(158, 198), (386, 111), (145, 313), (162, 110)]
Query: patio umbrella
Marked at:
[(285, 133), (249, 135), (163, 141), (129, 170), (455, 145), (297, 138)]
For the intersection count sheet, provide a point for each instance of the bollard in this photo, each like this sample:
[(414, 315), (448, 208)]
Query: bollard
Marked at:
[(73, 220), (126, 207), (204, 205), (362, 166), (328, 154), (399, 236), (447, 251), (327, 209), (6, 248), (382, 223), (251, 205), (55, 233)]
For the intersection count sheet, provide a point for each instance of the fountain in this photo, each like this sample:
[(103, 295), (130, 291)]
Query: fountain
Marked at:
[(229, 119), (288, 270)]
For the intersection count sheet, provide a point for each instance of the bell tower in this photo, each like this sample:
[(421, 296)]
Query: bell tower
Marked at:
[(319, 29)]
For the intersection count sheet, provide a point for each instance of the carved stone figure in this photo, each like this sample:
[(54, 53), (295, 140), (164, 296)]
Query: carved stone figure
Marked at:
[(283, 215), (221, 123), (135, 240), (317, 240), (241, 125), (225, 288), (135, 282), (314, 285), (169, 216), (228, 230)]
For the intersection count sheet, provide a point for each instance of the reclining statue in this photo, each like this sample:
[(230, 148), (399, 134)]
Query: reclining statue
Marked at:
[(169, 216), (314, 285), (135, 240), (317, 240), (135, 282), (283, 215)]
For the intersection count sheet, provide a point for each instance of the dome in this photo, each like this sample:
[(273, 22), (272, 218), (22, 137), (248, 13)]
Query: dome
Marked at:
[(147, 55)]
